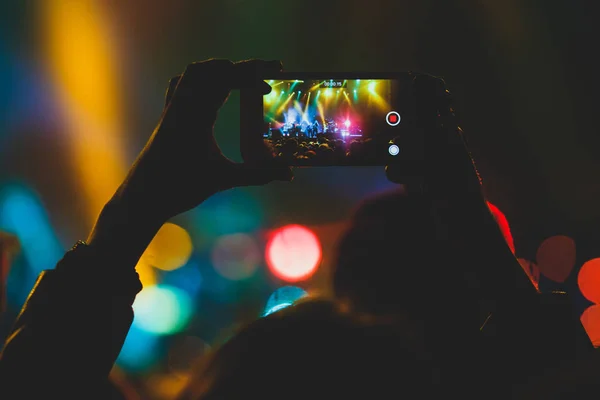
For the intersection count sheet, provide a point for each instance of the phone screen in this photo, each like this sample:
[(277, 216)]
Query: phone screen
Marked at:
[(336, 122)]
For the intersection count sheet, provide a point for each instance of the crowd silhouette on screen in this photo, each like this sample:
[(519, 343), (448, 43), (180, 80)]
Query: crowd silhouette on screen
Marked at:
[(324, 150), (428, 300)]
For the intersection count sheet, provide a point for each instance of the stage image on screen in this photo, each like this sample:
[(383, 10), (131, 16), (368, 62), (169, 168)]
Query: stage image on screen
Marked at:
[(333, 122)]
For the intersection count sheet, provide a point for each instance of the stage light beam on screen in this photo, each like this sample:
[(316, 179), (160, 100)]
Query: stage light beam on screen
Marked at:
[(282, 298), (298, 107), (293, 253), (307, 103), (372, 86), (375, 97), (285, 103), (321, 112)]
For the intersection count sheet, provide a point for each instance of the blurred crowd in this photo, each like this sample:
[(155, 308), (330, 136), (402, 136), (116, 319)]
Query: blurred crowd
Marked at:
[(326, 150)]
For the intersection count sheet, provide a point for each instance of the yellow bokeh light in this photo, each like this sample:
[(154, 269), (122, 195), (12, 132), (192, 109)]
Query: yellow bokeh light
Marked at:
[(170, 249), (82, 61), (146, 273)]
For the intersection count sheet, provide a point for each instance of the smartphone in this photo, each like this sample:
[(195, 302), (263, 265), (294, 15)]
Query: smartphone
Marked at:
[(333, 119)]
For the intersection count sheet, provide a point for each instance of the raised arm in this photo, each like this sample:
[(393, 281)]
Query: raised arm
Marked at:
[(77, 316)]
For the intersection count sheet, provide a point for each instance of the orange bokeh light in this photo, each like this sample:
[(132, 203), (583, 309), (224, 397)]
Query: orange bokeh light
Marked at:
[(590, 319), (293, 253), (589, 280)]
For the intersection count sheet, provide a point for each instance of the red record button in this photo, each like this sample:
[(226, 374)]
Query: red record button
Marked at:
[(392, 118)]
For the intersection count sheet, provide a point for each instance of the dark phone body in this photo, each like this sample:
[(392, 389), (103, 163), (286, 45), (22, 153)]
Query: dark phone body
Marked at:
[(334, 119)]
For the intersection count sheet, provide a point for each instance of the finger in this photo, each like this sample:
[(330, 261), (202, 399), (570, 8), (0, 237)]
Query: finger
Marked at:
[(246, 175), (202, 90), (171, 89), (251, 74)]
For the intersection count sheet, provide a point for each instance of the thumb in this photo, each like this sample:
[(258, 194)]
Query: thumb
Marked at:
[(171, 89), (245, 175)]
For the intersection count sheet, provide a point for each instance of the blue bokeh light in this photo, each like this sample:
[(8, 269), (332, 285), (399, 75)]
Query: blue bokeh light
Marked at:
[(162, 309), (187, 278), (140, 350), (282, 298), (22, 213), (233, 211)]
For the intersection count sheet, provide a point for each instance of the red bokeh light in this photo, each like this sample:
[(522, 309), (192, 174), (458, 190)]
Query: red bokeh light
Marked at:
[(504, 226), (589, 280), (556, 257), (590, 319), (293, 253)]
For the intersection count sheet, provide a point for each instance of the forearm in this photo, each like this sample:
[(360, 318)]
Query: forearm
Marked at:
[(78, 315)]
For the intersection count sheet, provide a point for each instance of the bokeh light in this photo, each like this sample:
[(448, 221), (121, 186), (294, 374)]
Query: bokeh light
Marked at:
[(282, 298), (188, 278), (146, 273), (162, 309), (293, 253), (556, 257), (233, 211), (236, 257), (532, 271), (170, 249), (140, 350), (186, 352), (590, 319), (503, 224), (83, 60), (22, 213), (588, 280)]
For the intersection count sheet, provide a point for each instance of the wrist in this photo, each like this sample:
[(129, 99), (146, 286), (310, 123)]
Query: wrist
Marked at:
[(123, 232)]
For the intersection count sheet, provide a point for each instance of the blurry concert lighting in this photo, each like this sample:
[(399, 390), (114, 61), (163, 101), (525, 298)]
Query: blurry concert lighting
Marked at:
[(504, 225), (187, 278), (22, 214), (532, 271), (556, 257), (283, 297), (146, 272), (236, 256), (162, 309), (186, 352), (233, 211), (293, 253), (140, 350), (170, 249), (590, 319), (84, 65), (588, 280)]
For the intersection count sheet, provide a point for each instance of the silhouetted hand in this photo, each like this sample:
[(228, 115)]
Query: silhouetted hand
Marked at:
[(182, 164), (451, 182), (449, 169)]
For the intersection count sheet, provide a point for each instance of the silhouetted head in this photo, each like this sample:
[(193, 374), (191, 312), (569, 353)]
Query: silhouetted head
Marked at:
[(402, 253), (314, 350)]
